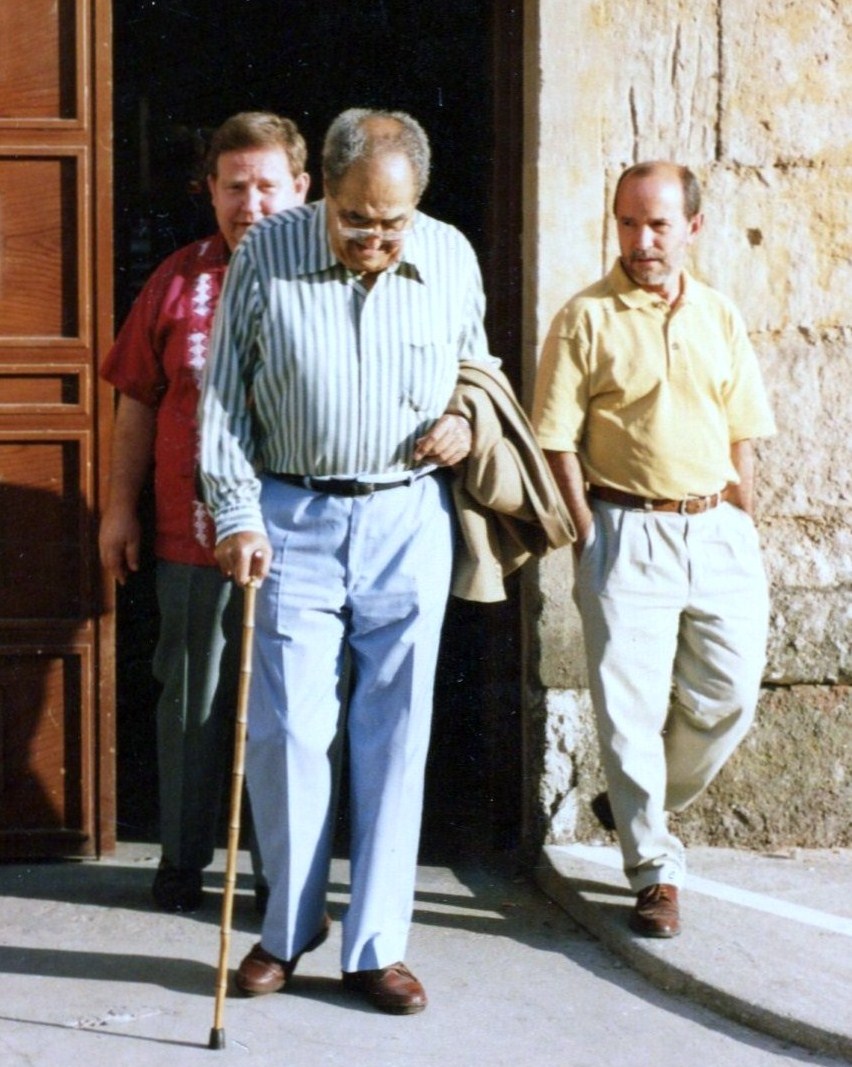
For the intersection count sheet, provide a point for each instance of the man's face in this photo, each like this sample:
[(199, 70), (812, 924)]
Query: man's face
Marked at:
[(377, 195), (249, 184), (653, 231)]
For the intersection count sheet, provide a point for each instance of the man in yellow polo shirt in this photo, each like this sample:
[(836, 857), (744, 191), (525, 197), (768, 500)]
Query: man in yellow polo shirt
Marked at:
[(647, 401)]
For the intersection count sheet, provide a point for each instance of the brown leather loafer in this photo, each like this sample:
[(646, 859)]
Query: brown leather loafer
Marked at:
[(656, 913), (392, 989), (261, 972)]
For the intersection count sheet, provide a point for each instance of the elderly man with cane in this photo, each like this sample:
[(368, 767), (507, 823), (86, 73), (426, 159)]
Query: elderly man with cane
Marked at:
[(325, 438)]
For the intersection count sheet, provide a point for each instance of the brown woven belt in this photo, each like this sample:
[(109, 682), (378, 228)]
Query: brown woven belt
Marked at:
[(691, 505)]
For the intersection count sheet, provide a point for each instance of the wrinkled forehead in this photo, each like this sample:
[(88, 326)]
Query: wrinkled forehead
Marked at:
[(378, 185)]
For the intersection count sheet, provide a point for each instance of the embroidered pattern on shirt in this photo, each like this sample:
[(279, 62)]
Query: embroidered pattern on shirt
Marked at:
[(198, 339), (202, 525), (201, 295), (197, 354)]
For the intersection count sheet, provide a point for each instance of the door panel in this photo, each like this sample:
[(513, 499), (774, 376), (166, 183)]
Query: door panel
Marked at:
[(56, 692), (43, 217), (41, 779), (39, 47), (44, 532)]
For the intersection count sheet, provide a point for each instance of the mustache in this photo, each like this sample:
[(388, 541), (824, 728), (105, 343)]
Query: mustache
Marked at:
[(636, 257)]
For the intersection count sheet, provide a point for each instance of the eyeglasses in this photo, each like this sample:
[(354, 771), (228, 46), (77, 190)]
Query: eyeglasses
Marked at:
[(360, 235)]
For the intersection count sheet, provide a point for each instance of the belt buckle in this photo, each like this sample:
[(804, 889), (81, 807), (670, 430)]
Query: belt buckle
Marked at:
[(701, 504)]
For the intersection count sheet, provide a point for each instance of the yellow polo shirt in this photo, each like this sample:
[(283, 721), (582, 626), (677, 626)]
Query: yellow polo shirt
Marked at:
[(650, 396)]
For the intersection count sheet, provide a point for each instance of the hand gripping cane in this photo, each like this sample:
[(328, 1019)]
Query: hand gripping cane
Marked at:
[(217, 1034)]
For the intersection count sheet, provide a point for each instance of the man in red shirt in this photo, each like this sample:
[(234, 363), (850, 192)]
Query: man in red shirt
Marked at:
[(255, 167)]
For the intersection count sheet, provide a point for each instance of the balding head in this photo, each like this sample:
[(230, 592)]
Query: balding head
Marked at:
[(361, 134), (665, 169)]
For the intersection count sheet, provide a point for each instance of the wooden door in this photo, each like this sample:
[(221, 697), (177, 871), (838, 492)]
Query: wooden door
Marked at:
[(56, 689)]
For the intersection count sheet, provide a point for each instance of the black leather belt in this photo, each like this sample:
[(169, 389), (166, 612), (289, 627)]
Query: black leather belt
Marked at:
[(692, 505), (344, 486)]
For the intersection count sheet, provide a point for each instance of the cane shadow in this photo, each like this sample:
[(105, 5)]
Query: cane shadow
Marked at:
[(101, 1032)]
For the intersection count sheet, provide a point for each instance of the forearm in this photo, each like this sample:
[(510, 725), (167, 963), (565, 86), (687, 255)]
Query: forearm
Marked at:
[(132, 452), (569, 477), (226, 424), (742, 457), (228, 479), (119, 536)]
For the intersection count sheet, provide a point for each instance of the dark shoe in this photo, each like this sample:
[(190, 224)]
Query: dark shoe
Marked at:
[(177, 888), (393, 989), (261, 897), (602, 811), (261, 972), (656, 913)]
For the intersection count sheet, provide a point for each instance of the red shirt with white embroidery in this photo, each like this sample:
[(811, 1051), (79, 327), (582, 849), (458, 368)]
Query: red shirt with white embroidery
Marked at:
[(158, 358)]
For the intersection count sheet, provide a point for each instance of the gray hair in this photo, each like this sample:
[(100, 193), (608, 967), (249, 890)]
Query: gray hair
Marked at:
[(350, 139)]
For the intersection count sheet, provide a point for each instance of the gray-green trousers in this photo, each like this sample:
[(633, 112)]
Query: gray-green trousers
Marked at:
[(197, 661)]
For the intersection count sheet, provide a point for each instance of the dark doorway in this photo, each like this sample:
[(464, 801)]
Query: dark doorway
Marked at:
[(183, 66)]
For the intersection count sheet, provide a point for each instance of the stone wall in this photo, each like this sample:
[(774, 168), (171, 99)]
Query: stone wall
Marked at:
[(753, 95)]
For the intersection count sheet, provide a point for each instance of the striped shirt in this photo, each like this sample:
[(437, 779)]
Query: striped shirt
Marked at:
[(309, 373)]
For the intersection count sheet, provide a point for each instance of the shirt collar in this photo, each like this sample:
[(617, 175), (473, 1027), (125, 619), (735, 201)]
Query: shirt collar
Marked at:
[(634, 296), (214, 250), (318, 256)]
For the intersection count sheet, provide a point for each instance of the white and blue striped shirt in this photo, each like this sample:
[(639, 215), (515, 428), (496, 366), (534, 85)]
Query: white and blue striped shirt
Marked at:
[(309, 373)]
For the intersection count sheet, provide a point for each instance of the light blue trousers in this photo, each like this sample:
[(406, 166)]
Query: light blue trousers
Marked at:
[(347, 633), (675, 613)]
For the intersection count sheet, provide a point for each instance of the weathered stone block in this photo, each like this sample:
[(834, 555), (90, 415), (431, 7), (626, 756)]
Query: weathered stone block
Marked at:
[(663, 88), (558, 640), (793, 104), (788, 784), (810, 637), (777, 240), (806, 469), (571, 769), (805, 553)]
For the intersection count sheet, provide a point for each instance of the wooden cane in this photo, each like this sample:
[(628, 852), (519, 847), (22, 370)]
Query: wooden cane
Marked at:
[(217, 1033)]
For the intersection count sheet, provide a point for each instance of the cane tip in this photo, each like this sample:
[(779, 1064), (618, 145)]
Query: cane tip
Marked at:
[(217, 1039)]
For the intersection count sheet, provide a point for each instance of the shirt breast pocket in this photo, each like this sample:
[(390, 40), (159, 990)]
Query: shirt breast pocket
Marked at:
[(430, 370)]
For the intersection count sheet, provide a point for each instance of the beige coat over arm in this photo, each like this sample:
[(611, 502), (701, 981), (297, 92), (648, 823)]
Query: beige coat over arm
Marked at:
[(508, 505)]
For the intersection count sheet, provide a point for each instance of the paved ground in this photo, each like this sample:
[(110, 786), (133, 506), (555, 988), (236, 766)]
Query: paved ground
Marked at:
[(90, 975), (767, 938)]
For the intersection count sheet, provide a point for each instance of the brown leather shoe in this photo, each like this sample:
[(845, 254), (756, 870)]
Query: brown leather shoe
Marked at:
[(656, 913), (393, 989), (261, 972)]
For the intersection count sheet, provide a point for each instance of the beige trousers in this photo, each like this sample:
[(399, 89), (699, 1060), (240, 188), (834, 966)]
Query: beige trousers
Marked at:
[(675, 612)]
